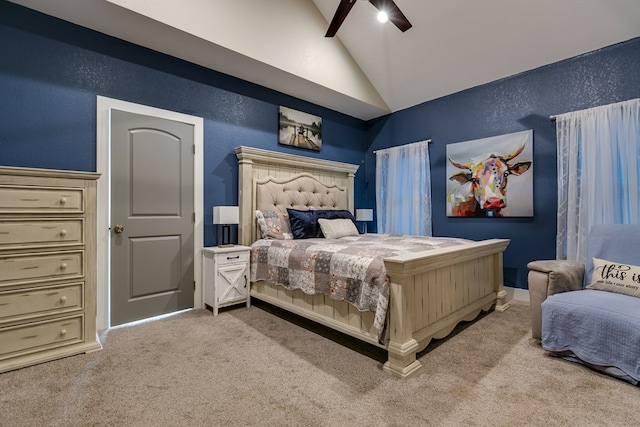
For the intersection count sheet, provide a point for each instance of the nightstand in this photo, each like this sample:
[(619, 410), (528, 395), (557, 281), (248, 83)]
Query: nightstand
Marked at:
[(225, 274)]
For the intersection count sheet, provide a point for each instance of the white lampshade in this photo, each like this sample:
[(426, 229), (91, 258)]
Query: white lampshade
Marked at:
[(226, 215), (364, 215)]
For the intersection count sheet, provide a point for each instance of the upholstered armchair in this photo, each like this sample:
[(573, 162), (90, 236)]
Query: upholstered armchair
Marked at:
[(551, 277), (587, 318)]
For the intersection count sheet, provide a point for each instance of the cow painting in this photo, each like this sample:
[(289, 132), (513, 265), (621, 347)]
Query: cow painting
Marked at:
[(482, 183)]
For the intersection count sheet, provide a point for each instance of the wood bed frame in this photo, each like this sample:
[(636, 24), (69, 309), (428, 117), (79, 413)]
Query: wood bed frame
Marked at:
[(430, 292)]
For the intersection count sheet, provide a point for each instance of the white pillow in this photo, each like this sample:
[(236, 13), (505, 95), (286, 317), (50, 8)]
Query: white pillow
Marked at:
[(615, 277), (336, 228)]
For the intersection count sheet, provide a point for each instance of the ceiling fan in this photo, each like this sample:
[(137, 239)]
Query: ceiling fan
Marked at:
[(388, 6)]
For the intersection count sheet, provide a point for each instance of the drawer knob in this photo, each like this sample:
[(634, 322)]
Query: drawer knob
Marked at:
[(63, 332), (63, 266), (63, 300), (63, 233), (63, 200)]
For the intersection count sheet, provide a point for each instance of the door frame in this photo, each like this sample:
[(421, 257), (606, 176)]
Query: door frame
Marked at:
[(103, 161)]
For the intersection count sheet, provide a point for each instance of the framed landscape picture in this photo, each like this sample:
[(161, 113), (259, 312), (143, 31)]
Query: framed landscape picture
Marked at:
[(299, 129), (491, 177)]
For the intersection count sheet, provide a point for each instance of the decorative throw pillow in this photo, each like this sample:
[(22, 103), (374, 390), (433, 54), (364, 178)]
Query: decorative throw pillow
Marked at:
[(615, 277), (336, 228), (274, 225), (333, 214), (303, 224)]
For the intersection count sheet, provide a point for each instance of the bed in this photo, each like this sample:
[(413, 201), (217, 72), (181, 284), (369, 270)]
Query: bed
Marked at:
[(430, 292)]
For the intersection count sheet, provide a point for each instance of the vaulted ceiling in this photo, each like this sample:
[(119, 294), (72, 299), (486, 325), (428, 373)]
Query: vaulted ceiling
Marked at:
[(369, 69)]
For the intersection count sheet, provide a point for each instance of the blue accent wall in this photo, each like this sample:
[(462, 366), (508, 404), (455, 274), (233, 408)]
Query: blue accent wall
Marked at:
[(524, 101), (51, 72)]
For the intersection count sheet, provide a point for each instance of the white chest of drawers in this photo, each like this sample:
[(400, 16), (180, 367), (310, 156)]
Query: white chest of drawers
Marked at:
[(47, 265)]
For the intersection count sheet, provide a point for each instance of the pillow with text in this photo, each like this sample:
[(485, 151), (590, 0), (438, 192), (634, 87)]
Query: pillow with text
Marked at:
[(615, 277)]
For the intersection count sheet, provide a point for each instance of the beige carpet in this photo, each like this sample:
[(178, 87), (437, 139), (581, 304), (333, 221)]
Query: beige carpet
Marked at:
[(251, 367)]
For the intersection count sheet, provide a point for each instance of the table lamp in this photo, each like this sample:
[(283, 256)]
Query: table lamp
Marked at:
[(364, 215), (225, 216)]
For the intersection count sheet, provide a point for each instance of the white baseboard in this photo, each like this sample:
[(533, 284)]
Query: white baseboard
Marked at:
[(517, 295)]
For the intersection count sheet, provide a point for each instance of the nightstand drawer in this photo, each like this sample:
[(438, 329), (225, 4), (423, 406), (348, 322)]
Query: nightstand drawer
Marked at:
[(38, 336), (42, 266), (25, 199), (41, 233), (232, 258), (29, 303)]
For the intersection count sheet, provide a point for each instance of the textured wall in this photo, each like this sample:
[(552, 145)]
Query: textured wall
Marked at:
[(520, 102), (51, 72)]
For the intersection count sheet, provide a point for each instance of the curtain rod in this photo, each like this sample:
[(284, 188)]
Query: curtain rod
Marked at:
[(615, 104), (428, 141)]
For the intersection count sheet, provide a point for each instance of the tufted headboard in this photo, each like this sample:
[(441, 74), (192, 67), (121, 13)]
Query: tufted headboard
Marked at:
[(269, 180), (299, 192)]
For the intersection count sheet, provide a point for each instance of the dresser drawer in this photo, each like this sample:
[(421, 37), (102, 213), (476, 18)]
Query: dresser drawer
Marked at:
[(28, 303), (25, 199), (41, 266), (32, 337), (41, 233), (232, 258)]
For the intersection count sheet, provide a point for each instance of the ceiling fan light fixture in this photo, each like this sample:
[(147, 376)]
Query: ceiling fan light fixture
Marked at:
[(388, 11)]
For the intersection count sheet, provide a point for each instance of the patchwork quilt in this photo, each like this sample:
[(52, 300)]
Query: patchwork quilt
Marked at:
[(350, 268)]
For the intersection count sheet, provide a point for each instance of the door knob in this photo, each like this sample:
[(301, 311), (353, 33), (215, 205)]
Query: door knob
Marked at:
[(118, 229)]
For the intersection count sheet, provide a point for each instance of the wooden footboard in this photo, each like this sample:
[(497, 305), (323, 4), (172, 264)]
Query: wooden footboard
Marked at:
[(430, 293)]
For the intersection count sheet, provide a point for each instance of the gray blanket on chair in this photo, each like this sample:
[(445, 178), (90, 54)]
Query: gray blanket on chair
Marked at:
[(601, 329)]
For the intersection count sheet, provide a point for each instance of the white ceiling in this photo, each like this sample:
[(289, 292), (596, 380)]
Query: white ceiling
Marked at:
[(369, 69)]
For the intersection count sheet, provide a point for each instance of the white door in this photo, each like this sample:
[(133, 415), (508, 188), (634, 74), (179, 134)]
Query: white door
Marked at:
[(152, 216)]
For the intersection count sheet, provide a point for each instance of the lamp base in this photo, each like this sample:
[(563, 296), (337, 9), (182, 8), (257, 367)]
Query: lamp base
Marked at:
[(226, 233)]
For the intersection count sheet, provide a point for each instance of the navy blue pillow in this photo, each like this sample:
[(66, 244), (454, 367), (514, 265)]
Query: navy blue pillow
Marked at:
[(303, 224), (332, 214)]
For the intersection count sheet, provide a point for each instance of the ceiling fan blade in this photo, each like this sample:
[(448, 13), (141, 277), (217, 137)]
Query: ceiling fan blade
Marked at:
[(341, 13), (394, 13)]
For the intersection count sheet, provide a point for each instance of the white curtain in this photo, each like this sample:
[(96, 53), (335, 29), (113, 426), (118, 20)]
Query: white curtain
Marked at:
[(598, 180), (403, 190)]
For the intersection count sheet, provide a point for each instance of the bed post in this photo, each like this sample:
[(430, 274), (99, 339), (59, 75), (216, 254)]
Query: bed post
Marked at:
[(501, 294), (245, 178), (402, 346), (351, 194)]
